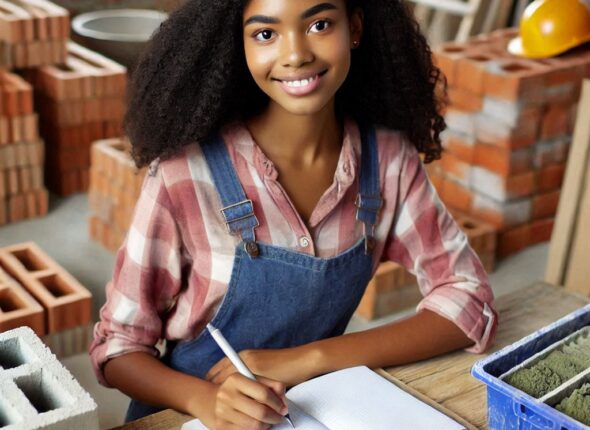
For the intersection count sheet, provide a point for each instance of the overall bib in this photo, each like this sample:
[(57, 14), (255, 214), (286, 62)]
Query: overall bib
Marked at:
[(279, 298)]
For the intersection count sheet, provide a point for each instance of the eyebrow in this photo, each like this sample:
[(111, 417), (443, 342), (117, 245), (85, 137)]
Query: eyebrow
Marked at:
[(263, 19)]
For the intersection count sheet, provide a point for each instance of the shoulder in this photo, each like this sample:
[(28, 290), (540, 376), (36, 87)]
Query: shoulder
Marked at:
[(394, 147), (166, 178)]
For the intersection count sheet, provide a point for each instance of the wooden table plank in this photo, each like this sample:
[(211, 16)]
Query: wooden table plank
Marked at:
[(165, 420), (447, 380)]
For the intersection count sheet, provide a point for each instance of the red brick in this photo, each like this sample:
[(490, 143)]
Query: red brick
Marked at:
[(17, 207), (67, 303), (541, 230), (551, 177), (503, 161), (18, 308), (456, 169), (481, 236), (470, 73), (445, 58), (494, 132), (461, 146), (556, 121), (514, 240), (456, 196), (545, 204), (514, 80), (464, 99)]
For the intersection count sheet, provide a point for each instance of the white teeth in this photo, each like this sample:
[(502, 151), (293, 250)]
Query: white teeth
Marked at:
[(301, 83)]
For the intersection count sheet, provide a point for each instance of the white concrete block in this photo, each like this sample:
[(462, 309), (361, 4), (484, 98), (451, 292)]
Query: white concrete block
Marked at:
[(461, 122), (512, 213), (505, 111), (36, 391)]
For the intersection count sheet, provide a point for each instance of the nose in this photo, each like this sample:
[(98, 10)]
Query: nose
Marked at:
[(296, 51)]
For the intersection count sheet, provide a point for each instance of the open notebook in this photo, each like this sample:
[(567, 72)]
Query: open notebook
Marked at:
[(355, 399)]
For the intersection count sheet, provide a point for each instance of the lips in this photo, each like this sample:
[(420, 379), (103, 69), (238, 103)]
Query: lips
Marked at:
[(301, 85)]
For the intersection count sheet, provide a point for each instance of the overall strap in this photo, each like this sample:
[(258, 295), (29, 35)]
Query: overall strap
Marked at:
[(238, 210), (369, 201)]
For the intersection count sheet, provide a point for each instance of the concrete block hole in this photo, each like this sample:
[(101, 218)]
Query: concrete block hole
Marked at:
[(15, 352), (8, 415), (43, 391)]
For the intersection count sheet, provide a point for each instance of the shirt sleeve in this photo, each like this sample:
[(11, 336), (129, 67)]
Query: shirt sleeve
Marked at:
[(146, 280), (429, 243)]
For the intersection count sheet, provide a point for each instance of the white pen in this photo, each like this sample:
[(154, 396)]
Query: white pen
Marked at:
[(235, 358)]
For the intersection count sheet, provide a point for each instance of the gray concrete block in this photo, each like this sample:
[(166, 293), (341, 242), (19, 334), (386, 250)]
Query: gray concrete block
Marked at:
[(36, 391)]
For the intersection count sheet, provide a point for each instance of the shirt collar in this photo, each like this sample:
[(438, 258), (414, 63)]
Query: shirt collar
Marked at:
[(238, 137)]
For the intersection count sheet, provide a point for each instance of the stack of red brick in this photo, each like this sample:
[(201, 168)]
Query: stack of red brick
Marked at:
[(37, 292), (394, 289), (33, 32), (510, 126), (22, 194), (80, 101), (115, 184)]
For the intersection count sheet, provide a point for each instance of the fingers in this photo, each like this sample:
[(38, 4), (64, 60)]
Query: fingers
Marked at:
[(278, 387), (245, 402), (220, 371)]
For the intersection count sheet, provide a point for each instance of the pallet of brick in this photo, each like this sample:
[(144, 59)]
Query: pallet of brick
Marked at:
[(18, 307), (115, 184), (33, 33), (22, 191), (36, 390), (510, 123), (79, 101), (394, 289)]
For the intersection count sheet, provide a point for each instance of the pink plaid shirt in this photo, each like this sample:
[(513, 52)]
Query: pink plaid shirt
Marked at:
[(175, 265)]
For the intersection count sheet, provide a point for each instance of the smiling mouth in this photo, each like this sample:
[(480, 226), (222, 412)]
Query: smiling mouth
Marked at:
[(297, 83)]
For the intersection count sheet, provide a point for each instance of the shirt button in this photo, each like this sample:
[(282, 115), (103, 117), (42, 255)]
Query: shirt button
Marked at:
[(303, 242)]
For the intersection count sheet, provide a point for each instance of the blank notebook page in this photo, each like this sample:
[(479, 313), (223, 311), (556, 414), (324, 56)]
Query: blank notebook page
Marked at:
[(356, 399), (359, 399)]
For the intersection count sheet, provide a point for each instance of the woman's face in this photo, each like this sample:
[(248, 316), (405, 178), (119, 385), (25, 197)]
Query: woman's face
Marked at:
[(298, 51)]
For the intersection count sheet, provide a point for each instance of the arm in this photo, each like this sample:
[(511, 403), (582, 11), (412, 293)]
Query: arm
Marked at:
[(146, 280), (423, 335)]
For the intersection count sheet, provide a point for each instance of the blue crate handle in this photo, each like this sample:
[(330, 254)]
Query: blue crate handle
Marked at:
[(537, 420)]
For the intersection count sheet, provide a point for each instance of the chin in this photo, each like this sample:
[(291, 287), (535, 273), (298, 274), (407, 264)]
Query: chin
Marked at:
[(303, 107)]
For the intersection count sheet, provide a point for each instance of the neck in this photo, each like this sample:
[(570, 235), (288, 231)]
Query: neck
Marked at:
[(297, 139)]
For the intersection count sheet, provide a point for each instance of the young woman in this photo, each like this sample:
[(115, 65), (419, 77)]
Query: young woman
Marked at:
[(284, 140)]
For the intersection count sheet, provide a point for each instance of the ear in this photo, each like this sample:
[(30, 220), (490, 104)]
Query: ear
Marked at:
[(356, 27)]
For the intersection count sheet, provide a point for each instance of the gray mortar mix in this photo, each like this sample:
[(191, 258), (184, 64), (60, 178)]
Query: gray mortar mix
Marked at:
[(550, 372)]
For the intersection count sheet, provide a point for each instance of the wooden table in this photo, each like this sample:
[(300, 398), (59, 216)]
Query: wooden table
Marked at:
[(446, 380)]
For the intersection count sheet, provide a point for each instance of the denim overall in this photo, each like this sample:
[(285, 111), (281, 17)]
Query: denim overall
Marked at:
[(279, 298)]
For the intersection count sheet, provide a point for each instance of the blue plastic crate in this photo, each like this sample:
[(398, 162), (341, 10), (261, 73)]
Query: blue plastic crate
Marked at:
[(510, 408)]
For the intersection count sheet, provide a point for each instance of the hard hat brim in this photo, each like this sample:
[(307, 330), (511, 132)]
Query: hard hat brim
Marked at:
[(515, 48)]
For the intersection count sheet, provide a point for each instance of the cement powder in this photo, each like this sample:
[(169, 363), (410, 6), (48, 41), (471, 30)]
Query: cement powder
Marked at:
[(555, 369), (577, 405)]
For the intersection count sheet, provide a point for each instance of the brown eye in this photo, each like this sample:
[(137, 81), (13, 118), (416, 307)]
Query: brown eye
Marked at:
[(319, 26), (264, 35)]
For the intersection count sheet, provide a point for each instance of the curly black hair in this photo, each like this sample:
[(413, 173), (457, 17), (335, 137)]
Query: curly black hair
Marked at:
[(193, 78)]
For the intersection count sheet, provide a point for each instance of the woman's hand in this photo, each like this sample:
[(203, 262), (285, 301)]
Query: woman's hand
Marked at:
[(291, 366), (239, 402)]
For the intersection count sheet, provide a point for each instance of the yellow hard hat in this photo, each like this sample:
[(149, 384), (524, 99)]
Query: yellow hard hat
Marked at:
[(550, 27)]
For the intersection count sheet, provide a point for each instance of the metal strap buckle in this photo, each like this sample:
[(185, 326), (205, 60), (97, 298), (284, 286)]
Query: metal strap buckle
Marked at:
[(227, 223)]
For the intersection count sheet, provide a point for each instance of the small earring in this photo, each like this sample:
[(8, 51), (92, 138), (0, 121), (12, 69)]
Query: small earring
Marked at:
[(355, 43)]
